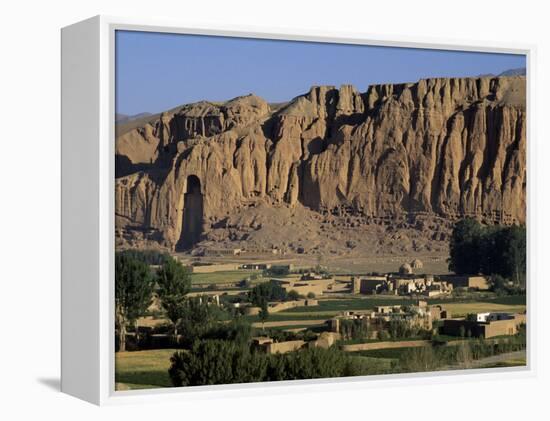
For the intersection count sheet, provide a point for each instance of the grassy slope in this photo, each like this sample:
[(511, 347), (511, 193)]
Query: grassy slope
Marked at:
[(143, 369)]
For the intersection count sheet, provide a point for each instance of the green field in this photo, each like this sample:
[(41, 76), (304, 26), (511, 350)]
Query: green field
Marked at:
[(222, 276), (372, 366), (350, 304), (508, 300), (283, 316), (458, 307), (389, 353), (143, 369), (258, 331), (331, 307)]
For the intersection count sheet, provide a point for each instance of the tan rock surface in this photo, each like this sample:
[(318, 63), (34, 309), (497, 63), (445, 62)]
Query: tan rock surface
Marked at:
[(439, 148)]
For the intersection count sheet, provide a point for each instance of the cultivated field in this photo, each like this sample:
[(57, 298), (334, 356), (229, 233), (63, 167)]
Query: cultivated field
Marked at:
[(328, 308), (222, 277), (149, 368), (331, 307)]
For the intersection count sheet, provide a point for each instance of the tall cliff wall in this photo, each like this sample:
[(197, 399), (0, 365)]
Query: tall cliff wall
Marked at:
[(443, 147)]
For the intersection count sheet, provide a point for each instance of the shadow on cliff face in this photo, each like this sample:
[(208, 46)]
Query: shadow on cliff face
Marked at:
[(124, 167), (157, 170), (192, 214)]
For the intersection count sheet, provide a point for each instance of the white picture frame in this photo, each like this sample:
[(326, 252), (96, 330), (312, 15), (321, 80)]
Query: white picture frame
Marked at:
[(88, 115)]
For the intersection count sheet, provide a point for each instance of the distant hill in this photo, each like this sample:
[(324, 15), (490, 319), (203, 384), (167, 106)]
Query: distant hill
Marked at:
[(123, 118), (520, 71)]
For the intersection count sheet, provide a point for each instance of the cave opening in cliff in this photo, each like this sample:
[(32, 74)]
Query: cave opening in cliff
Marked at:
[(192, 214)]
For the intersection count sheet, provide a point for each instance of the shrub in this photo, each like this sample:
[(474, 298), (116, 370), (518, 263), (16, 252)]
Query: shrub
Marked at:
[(355, 329), (267, 291), (278, 270), (383, 335), (223, 362), (310, 363), (245, 283), (197, 318), (238, 330), (216, 362), (423, 358)]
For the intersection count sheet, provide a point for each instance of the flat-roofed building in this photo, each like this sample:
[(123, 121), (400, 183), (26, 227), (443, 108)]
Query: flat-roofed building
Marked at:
[(479, 282), (484, 325)]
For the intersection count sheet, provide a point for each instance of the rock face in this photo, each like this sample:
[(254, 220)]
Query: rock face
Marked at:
[(446, 148)]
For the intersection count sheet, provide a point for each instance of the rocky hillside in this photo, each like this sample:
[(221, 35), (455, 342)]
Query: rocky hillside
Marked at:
[(415, 156)]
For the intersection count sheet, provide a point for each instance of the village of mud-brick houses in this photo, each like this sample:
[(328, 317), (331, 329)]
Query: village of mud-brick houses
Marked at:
[(377, 321)]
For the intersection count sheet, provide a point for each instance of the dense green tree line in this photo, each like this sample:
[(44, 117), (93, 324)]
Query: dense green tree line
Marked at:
[(223, 362), (150, 257), (489, 250)]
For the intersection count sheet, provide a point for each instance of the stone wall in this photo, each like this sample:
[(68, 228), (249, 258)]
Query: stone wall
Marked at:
[(283, 347)]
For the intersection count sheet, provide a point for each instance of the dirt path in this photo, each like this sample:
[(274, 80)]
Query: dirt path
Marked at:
[(494, 359), (384, 345)]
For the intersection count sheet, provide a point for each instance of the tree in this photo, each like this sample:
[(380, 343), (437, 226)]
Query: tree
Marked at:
[(151, 257), (196, 318), (319, 261), (354, 329), (174, 282), (498, 284), (399, 329), (217, 362), (237, 330), (465, 247), (293, 295), (422, 358), (278, 270), (133, 289), (264, 313), (309, 363), (515, 253), (490, 250), (267, 291), (223, 362)]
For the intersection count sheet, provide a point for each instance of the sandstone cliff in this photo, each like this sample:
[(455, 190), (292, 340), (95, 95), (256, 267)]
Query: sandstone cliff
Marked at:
[(441, 148)]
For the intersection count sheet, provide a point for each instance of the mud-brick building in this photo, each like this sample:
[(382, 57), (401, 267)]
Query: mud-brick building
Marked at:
[(489, 326), (467, 281)]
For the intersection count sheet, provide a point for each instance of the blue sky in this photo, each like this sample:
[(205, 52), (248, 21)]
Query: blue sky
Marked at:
[(156, 72)]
